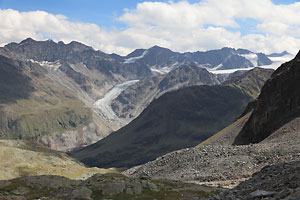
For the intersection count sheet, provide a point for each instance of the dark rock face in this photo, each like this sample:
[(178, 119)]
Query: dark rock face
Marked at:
[(15, 84), (278, 104)]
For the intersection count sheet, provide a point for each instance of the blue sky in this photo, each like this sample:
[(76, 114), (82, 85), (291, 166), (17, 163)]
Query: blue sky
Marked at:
[(120, 26), (101, 12)]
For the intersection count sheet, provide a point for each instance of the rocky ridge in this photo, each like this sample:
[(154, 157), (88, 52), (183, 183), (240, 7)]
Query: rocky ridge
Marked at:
[(278, 104), (163, 60)]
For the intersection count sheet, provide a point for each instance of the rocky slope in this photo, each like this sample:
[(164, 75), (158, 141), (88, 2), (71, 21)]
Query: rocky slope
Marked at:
[(179, 119), (48, 91), (101, 186), (132, 101), (280, 181), (216, 161), (278, 104), (250, 82), (31, 105), (21, 158)]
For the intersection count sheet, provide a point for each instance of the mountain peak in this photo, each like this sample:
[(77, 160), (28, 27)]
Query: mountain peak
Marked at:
[(279, 54), (26, 41), (77, 46), (157, 48)]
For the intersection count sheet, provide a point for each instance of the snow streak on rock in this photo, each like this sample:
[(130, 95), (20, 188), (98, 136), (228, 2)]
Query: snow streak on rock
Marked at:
[(51, 65), (133, 59)]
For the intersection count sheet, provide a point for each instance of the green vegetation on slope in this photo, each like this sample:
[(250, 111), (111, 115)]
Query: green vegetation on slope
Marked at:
[(24, 158), (32, 105), (102, 186)]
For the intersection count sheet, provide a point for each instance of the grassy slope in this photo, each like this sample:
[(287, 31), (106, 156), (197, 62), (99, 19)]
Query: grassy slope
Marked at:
[(33, 105), (31, 159)]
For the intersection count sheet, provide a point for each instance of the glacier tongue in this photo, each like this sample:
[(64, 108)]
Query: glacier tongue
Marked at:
[(104, 104)]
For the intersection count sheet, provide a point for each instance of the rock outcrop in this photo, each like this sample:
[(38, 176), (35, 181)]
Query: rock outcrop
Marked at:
[(278, 104)]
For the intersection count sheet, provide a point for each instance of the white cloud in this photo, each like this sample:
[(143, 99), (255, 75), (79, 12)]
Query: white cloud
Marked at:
[(180, 26)]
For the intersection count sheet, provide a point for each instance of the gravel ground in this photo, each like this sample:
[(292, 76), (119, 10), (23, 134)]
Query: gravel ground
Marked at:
[(280, 181), (211, 163)]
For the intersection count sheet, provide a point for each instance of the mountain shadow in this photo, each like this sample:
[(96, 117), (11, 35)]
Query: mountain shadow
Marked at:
[(15, 84)]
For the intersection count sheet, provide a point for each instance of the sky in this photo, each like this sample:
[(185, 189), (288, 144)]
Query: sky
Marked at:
[(119, 26)]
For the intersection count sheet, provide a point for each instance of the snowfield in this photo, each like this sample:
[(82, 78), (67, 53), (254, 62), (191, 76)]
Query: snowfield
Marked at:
[(163, 70), (51, 65), (277, 61), (104, 104), (252, 57)]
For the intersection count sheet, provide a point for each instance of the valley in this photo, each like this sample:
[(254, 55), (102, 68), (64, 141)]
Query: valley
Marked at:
[(152, 124)]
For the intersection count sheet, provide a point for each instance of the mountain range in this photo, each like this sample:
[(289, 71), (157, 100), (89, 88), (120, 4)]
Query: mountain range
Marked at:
[(50, 89), (163, 60)]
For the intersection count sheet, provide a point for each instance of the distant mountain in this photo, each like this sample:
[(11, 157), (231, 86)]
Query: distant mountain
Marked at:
[(78, 61), (175, 120), (163, 60), (284, 53), (277, 105)]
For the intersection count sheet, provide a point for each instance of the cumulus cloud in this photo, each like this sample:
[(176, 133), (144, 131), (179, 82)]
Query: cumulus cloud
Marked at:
[(180, 26)]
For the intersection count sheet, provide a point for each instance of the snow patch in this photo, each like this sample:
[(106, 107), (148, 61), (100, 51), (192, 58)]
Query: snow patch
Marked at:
[(277, 61), (252, 57), (104, 104), (217, 67), (133, 59), (163, 70), (51, 65)]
